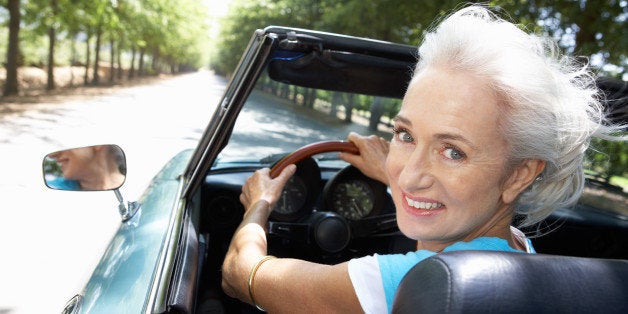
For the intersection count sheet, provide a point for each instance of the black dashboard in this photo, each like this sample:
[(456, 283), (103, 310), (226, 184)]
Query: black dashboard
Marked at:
[(326, 215)]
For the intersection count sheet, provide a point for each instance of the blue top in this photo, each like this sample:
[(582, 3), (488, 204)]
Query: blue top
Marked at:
[(61, 183), (393, 267)]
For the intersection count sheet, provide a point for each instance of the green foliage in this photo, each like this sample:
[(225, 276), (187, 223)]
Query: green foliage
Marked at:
[(608, 158), (587, 27), (583, 27), (174, 33)]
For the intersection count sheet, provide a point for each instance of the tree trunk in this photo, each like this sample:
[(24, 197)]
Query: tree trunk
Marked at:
[(377, 110), (349, 108), (72, 58), (586, 33), (96, 78), (311, 98), (13, 51), (155, 61), (50, 84), (140, 67), (112, 59), (119, 58), (293, 93), (87, 59), (132, 68)]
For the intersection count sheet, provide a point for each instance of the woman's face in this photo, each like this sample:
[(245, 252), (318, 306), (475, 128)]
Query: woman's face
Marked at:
[(447, 159), (75, 161)]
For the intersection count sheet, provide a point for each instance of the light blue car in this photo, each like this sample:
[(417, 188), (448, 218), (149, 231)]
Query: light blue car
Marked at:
[(299, 91)]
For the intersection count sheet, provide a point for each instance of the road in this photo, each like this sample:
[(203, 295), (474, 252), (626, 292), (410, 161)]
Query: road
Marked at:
[(50, 241)]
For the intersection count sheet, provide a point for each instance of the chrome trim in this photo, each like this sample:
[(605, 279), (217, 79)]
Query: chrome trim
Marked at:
[(73, 305), (157, 297), (126, 211)]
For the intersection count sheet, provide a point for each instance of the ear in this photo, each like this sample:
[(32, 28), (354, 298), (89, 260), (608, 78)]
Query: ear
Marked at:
[(520, 178)]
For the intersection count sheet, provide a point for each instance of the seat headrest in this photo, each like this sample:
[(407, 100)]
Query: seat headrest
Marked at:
[(507, 282)]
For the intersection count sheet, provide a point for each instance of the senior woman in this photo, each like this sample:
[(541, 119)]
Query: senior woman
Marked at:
[(492, 125)]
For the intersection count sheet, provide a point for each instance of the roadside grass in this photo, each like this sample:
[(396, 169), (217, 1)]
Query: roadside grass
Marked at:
[(620, 181)]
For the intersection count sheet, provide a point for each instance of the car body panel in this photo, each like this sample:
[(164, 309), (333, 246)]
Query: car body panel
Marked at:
[(123, 277)]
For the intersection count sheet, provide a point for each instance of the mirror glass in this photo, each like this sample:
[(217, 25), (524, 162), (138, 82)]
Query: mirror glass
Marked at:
[(91, 168)]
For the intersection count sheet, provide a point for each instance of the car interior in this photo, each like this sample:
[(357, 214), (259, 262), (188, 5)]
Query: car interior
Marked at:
[(330, 212)]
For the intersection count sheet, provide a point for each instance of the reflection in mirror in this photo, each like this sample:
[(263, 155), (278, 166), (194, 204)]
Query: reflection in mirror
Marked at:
[(92, 168)]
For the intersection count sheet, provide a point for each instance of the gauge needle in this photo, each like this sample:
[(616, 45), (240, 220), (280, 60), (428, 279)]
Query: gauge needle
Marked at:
[(357, 207)]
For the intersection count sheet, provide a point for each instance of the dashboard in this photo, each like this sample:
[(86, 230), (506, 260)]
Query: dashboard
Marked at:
[(323, 214)]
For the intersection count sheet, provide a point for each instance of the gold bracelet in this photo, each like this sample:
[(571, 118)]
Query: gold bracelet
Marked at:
[(252, 278)]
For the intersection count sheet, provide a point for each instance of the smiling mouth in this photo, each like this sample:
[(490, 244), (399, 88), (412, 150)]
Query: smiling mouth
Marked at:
[(423, 205)]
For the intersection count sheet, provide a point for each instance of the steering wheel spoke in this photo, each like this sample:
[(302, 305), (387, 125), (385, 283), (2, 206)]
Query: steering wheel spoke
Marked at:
[(290, 230), (377, 225)]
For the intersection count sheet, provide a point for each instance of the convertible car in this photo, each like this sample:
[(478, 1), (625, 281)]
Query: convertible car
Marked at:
[(293, 98)]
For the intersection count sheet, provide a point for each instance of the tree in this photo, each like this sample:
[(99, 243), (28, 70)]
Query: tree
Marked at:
[(586, 27), (50, 85), (11, 84)]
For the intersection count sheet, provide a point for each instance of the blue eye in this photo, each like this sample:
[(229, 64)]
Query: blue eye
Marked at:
[(453, 153), (403, 135)]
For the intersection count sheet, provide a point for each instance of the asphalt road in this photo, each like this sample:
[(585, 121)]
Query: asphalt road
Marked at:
[(50, 241)]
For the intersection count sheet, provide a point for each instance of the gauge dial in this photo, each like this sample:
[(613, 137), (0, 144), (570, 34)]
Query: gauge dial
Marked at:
[(292, 197), (353, 199)]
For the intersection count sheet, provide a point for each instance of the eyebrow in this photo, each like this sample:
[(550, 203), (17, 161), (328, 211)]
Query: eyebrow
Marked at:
[(440, 136), (402, 120)]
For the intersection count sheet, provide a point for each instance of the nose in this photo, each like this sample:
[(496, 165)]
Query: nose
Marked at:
[(416, 174)]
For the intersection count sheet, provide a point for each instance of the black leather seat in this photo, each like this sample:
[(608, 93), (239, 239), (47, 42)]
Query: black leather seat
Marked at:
[(503, 282)]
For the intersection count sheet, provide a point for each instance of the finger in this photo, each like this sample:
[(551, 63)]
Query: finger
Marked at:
[(264, 172), (285, 174), (350, 158), (352, 136)]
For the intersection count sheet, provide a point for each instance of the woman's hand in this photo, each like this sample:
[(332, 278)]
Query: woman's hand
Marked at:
[(248, 245), (372, 157), (260, 187)]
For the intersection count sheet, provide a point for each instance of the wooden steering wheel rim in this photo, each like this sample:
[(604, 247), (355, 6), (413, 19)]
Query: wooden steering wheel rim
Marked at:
[(310, 150)]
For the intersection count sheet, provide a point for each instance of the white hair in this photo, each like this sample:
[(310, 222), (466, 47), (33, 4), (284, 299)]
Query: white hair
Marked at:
[(550, 102)]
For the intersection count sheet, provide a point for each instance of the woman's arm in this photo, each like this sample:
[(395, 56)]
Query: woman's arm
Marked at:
[(279, 285)]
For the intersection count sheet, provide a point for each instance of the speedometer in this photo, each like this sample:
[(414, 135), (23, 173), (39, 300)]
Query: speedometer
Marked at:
[(354, 195), (353, 199)]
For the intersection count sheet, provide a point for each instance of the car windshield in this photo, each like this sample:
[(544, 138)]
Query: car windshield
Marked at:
[(279, 118)]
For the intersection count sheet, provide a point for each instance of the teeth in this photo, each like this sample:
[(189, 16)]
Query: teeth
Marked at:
[(423, 205)]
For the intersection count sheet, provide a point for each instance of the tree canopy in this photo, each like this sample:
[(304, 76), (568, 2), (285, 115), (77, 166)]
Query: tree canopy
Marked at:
[(169, 35), (582, 27)]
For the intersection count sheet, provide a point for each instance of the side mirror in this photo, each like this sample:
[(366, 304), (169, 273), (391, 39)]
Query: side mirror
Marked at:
[(91, 168)]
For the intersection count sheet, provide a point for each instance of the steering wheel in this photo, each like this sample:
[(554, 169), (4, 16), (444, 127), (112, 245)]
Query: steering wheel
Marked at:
[(329, 231), (311, 150)]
